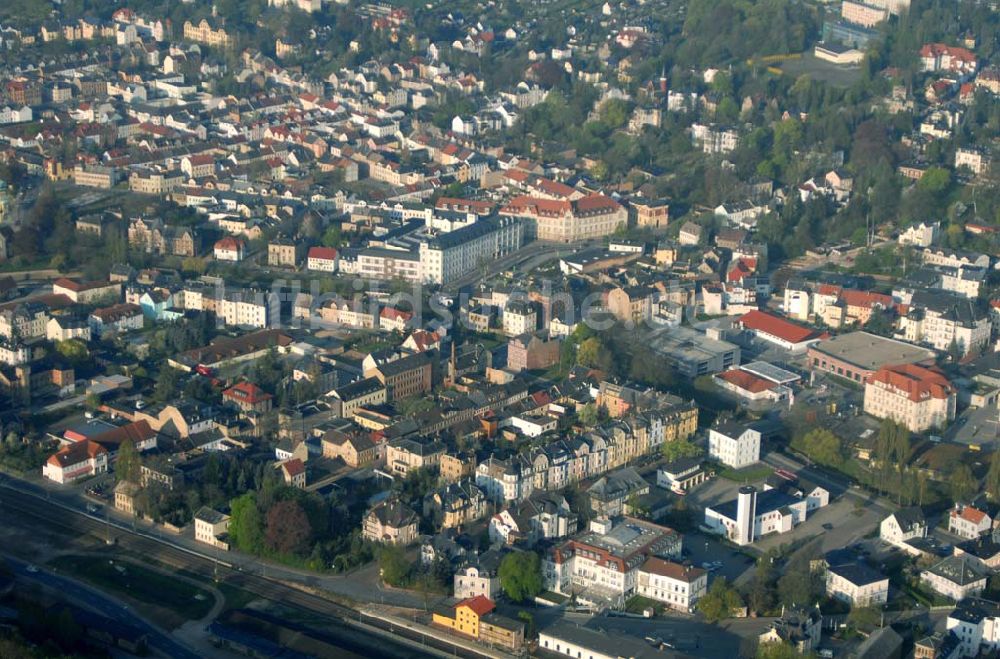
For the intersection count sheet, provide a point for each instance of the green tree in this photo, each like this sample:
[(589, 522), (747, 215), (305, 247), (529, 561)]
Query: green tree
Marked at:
[(992, 484), (679, 448), (589, 352), (246, 527), (588, 415), (962, 484), (799, 586), (720, 601), (777, 650), (128, 466), (332, 237), (74, 350), (521, 575), (393, 566), (823, 447)]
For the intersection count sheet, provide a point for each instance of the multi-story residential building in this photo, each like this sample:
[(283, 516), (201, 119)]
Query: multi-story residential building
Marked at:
[(676, 585), (543, 516), (609, 495), (454, 468), (284, 253), (349, 398), (857, 584), (65, 327), (734, 445), (478, 576), (920, 398), (801, 628), (863, 14), (506, 481), (447, 256), (321, 259), (946, 322), (391, 522), (379, 263), (229, 248), (204, 32), (956, 577), (714, 139), (118, 318), (96, 176), (975, 625), (24, 320), (975, 160), (404, 377), (354, 448), (903, 525), (968, 522), (519, 317), (529, 352), (920, 235), (953, 59), (248, 397), (246, 308), (88, 292), (456, 504), (405, 455), (155, 182), (954, 258), (565, 221), (653, 213), (210, 527), (603, 564), (153, 237)]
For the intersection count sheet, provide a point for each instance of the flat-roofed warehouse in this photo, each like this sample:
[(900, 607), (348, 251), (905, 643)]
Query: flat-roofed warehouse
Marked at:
[(857, 355)]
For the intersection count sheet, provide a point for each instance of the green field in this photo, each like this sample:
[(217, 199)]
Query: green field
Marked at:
[(750, 474)]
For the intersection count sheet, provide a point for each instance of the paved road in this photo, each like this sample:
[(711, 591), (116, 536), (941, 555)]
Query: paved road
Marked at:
[(103, 604)]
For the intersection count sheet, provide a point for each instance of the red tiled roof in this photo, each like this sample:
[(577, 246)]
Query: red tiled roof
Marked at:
[(247, 392), (778, 327), (747, 381), (136, 432), (323, 253), (970, 514), (293, 467), (671, 570), (916, 382), (76, 453), (229, 243), (480, 604), (390, 313)]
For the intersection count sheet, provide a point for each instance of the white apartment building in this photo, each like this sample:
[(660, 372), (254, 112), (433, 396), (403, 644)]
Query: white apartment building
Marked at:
[(209, 525), (857, 584), (975, 160), (678, 586), (968, 522), (976, 624), (447, 256), (245, 309), (902, 525), (956, 577), (505, 480), (734, 445), (797, 302), (919, 235), (714, 139)]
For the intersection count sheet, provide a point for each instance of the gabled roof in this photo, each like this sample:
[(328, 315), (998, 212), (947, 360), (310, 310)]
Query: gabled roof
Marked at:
[(480, 604)]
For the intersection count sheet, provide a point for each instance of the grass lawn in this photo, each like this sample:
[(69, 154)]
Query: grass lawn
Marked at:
[(153, 588), (638, 603), (751, 474)]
